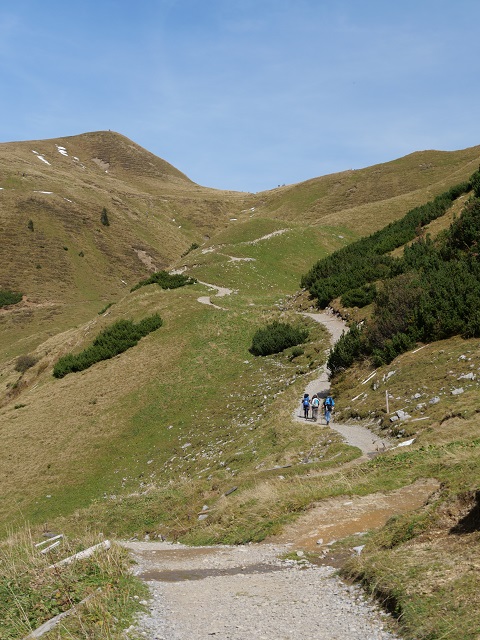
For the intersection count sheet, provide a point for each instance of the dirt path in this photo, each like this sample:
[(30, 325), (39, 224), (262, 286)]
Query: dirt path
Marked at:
[(354, 435), (221, 291), (243, 592)]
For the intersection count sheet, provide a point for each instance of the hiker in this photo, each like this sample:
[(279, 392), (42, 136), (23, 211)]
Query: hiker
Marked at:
[(306, 405), (328, 406), (315, 405)]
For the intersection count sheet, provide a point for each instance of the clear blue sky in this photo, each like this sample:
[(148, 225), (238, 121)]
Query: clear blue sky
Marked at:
[(246, 94)]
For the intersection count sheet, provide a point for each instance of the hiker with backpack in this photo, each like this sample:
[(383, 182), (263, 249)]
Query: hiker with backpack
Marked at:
[(315, 405), (306, 405), (328, 406)]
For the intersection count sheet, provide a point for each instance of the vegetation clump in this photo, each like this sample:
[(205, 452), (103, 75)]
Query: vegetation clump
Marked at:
[(192, 247), (435, 296), (165, 280), (104, 218), (360, 297), (276, 337), (25, 362), (8, 298), (113, 340), (368, 259)]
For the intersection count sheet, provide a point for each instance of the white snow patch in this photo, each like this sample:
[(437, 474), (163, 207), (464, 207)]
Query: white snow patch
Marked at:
[(42, 159), (62, 150), (47, 192)]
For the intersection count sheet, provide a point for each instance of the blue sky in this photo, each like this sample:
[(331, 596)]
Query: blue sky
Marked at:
[(246, 94)]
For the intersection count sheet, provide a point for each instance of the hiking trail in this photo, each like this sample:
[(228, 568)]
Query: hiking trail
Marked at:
[(252, 591)]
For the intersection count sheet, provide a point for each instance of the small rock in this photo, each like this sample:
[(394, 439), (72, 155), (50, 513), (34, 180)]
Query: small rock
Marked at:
[(457, 392), (358, 550), (467, 376)]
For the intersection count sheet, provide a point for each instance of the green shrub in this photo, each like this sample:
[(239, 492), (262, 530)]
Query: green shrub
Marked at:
[(367, 260), (100, 313), (359, 297), (349, 347), (296, 352), (165, 280), (110, 342), (192, 247), (104, 218), (9, 297), (276, 337)]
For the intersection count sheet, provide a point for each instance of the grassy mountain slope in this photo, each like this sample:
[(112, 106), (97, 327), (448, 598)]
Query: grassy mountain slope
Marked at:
[(139, 443)]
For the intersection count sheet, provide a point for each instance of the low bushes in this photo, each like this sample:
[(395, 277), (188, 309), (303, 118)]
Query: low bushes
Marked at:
[(360, 297), (276, 337), (110, 342), (9, 297), (165, 280), (368, 259)]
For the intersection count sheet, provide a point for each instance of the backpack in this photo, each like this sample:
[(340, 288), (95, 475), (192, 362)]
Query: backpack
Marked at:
[(306, 402), (329, 403), (315, 402)]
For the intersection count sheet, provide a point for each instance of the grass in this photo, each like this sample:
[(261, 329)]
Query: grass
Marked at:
[(137, 445), (33, 593)]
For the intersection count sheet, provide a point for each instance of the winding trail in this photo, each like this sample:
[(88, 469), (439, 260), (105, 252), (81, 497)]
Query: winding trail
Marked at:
[(249, 591), (221, 291), (354, 435)]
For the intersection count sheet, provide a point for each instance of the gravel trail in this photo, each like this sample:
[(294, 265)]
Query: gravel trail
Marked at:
[(239, 593), (354, 435), (245, 592)]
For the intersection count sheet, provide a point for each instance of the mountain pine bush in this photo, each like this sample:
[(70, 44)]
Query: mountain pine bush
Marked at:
[(110, 342), (436, 295), (9, 297), (276, 337), (367, 260), (165, 280)]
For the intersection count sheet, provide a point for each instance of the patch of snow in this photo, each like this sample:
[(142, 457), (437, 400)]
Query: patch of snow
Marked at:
[(47, 192), (62, 150)]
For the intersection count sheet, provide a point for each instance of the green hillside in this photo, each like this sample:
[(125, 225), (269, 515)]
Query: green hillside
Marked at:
[(138, 443)]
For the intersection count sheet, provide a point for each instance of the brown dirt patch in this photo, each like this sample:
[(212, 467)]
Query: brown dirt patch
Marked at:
[(338, 518)]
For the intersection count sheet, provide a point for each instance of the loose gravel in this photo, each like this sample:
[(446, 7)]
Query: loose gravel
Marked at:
[(238, 593)]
